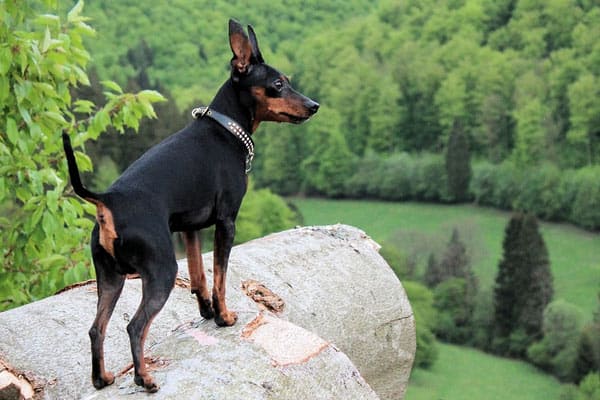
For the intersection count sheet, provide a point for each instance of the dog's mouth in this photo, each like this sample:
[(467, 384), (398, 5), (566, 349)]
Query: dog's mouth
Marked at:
[(295, 119)]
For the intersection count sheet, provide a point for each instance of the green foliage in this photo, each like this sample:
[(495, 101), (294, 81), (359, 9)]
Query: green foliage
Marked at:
[(588, 352), (523, 287), (585, 211), (42, 58), (280, 154), (458, 165), (521, 77), (589, 388), (454, 304), (421, 301), (455, 263), (537, 193), (397, 178), (483, 321), (401, 263), (543, 190), (557, 351), (496, 185), (263, 212)]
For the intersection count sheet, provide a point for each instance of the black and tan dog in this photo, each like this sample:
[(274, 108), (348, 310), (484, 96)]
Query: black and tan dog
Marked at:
[(194, 179)]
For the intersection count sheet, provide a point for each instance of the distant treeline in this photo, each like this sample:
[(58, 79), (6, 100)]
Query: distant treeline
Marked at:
[(521, 79)]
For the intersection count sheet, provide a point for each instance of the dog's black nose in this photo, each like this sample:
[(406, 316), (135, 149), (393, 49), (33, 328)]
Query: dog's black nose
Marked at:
[(313, 107)]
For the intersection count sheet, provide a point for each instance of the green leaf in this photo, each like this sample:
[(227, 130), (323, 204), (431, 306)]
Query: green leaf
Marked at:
[(47, 40), (48, 20), (85, 28), (151, 95), (73, 15), (49, 224), (25, 114), (57, 117), (84, 106), (22, 194), (5, 59), (37, 215), (53, 260), (83, 161), (112, 85), (11, 130), (4, 88), (52, 200)]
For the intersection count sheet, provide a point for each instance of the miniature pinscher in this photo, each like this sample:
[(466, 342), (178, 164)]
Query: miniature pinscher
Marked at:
[(193, 179)]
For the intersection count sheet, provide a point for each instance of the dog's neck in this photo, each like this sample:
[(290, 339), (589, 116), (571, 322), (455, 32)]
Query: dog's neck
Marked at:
[(236, 104)]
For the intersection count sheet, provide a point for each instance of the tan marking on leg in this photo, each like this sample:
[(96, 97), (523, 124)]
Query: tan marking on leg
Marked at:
[(148, 380), (108, 233), (193, 247), (223, 317), (195, 265)]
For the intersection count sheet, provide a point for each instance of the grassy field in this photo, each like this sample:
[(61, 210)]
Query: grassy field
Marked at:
[(574, 253), (463, 373)]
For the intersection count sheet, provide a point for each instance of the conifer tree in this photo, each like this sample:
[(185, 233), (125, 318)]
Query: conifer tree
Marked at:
[(523, 286), (433, 273), (458, 164)]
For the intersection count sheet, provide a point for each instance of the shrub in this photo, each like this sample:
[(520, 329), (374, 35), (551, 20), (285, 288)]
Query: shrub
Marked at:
[(421, 301), (455, 310), (366, 177), (557, 351), (538, 192), (589, 388), (495, 185), (586, 205), (483, 183), (400, 263), (262, 212), (397, 178), (483, 321), (507, 183), (430, 178)]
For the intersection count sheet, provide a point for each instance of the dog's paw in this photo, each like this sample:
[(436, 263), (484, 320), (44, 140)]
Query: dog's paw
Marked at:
[(104, 380), (147, 382), (206, 309), (226, 319)]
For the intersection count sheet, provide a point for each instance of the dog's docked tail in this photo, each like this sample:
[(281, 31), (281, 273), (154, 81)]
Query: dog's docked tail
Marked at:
[(80, 190)]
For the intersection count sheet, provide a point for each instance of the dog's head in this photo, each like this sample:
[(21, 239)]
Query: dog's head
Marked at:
[(274, 97)]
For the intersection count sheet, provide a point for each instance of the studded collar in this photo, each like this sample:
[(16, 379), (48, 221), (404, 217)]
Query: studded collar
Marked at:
[(233, 127)]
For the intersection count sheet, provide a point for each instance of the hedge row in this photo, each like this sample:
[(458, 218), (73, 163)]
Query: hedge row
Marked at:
[(546, 191)]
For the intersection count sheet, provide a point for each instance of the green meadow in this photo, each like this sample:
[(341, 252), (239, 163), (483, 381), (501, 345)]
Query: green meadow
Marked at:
[(574, 253), (461, 372)]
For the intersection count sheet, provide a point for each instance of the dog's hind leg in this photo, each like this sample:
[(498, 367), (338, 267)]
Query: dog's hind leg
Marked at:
[(158, 273), (110, 285), (193, 247)]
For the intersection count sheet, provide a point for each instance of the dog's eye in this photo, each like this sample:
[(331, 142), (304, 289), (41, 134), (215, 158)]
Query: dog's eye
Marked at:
[(278, 84)]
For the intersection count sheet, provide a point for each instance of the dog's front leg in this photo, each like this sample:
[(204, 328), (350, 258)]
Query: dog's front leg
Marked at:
[(224, 234), (193, 249)]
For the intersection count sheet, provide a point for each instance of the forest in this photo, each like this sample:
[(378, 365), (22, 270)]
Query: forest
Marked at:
[(491, 102), (518, 79)]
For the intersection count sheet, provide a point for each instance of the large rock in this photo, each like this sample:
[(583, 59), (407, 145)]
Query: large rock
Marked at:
[(321, 315)]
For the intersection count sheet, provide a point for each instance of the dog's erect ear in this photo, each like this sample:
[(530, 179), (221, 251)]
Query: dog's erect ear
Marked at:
[(241, 48), (254, 43)]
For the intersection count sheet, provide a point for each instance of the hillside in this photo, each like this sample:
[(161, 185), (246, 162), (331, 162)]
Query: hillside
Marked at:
[(518, 79), (187, 49), (517, 75)]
